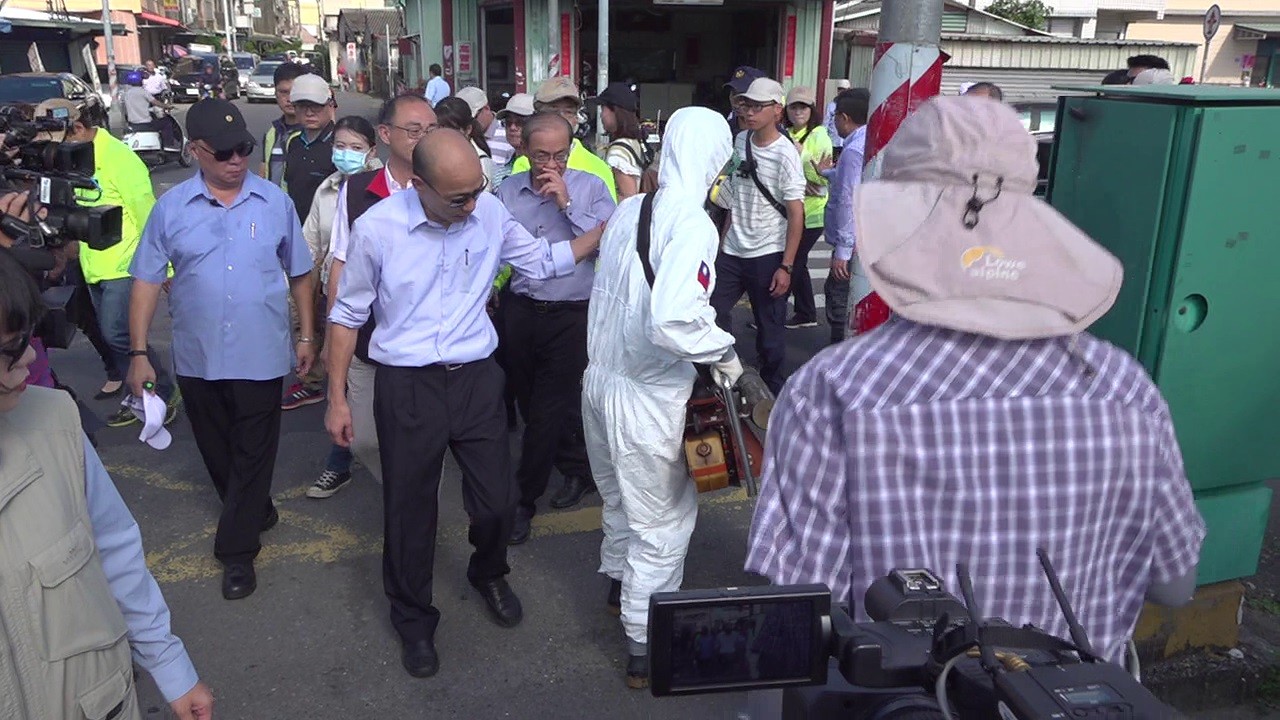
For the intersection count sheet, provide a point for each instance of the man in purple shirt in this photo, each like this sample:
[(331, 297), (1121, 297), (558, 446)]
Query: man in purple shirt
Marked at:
[(545, 332), (423, 263), (851, 122), (982, 422)]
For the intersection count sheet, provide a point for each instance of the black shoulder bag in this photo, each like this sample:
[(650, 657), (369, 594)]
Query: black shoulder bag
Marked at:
[(755, 177)]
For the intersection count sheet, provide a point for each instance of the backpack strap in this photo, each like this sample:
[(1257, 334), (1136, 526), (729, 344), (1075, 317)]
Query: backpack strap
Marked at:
[(755, 177), (642, 236)]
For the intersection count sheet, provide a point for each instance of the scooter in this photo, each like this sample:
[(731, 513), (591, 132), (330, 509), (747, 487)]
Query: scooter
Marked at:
[(147, 145)]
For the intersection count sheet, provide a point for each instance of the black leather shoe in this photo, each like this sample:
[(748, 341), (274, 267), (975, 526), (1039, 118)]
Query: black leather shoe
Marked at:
[(238, 581), (521, 527), (614, 602), (503, 604), (419, 658), (638, 672), (572, 492), (273, 517)]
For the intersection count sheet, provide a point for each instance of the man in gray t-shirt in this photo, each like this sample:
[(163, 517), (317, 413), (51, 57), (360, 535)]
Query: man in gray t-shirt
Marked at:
[(137, 107)]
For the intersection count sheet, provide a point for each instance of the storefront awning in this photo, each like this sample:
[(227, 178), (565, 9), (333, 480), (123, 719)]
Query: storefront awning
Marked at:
[(158, 21), (1271, 29)]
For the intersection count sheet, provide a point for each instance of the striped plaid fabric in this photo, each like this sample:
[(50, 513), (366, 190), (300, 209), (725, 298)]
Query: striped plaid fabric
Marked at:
[(920, 447)]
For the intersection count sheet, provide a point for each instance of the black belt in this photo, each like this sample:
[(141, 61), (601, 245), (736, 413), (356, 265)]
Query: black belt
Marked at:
[(446, 367), (547, 306)]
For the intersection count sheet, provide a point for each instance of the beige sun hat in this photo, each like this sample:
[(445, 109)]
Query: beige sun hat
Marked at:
[(951, 234)]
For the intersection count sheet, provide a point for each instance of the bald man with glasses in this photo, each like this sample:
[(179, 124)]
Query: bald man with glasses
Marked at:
[(422, 263)]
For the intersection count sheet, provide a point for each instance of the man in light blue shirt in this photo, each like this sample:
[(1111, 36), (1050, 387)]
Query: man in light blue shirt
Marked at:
[(851, 122), (437, 87), (237, 251), (545, 332), (423, 262)]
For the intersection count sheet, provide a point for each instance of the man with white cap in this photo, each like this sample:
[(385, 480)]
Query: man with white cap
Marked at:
[(519, 108), (649, 321), (560, 95), (765, 200), (478, 101), (981, 422)]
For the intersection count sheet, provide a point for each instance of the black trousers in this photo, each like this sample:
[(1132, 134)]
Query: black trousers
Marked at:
[(236, 424), (546, 355), (801, 284), (420, 412), (735, 276)]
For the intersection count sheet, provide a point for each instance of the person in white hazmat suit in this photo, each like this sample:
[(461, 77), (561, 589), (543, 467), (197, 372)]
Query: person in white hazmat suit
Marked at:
[(641, 345)]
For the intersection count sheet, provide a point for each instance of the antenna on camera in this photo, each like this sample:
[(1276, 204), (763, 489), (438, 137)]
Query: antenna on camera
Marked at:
[(1078, 635), (985, 652)]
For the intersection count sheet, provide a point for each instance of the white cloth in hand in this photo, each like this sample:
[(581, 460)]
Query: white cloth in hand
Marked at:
[(151, 410), (727, 372)]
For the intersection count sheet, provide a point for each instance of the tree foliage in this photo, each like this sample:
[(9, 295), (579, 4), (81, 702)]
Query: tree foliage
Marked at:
[(1032, 13)]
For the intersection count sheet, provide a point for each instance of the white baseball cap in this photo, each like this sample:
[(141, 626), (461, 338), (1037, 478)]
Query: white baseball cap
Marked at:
[(765, 90), (475, 99)]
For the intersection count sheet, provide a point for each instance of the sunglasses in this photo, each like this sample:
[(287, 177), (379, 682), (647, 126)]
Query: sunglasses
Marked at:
[(244, 149), (460, 201), (16, 349)]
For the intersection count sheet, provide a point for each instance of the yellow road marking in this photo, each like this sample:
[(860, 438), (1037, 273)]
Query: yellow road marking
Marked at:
[(191, 556)]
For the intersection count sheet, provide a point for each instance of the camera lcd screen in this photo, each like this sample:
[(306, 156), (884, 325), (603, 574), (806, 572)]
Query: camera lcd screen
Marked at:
[(729, 642)]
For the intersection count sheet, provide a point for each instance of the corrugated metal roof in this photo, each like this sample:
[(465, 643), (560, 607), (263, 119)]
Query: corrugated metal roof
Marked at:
[(1055, 40), (370, 21), (1265, 28)]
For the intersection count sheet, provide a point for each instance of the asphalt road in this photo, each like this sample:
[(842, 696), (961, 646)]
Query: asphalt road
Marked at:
[(314, 641)]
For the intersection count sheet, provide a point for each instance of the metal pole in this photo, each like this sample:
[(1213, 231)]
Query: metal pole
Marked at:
[(602, 66), (1204, 61), (906, 73), (226, 17), (391, 84), (111, 51), (553, 37)]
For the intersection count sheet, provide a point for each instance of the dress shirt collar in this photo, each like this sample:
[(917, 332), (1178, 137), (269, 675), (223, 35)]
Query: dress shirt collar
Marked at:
[(417, 217), (196, 188), (861, 132)]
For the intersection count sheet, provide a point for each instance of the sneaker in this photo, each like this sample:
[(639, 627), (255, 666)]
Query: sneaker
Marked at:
[(300, 396), (123, 417), (794, 323), (330, 482), (171, 406)]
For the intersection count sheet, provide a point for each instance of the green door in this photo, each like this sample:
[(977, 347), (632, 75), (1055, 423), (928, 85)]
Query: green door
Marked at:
[(1111, 164), (1220, 357)]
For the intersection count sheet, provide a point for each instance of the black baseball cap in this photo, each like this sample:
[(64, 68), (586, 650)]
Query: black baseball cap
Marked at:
[(620, 95), (218, 123), (743, 77)]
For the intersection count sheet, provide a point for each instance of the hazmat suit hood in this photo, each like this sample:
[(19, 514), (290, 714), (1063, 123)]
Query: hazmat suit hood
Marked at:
[(697, 145)]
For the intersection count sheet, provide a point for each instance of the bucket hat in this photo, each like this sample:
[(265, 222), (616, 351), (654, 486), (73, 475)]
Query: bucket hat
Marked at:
[(952, 235)]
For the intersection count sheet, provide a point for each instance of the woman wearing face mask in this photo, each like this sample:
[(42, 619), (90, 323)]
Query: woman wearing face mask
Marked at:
[(354, 141)]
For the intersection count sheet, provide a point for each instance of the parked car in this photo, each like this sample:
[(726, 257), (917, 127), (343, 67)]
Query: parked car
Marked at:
[(32, 88), (188, 77), (245, 63), (261, 85)]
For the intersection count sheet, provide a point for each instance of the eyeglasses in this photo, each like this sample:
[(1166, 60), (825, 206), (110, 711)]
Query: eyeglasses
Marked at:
[(414, 131), (542, 158), (244, 149), (16, 349), (747, 107), (460, 201)]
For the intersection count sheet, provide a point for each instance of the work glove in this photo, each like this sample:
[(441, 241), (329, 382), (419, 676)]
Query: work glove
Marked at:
[(727, 371)]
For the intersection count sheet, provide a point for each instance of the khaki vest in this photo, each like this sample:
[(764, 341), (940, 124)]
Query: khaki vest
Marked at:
[(65, 652)]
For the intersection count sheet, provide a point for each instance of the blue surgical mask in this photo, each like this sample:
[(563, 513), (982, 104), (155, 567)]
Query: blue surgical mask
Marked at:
[(349, 162)]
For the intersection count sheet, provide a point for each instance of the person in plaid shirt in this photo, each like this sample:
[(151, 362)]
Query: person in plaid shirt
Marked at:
[(981, 422)]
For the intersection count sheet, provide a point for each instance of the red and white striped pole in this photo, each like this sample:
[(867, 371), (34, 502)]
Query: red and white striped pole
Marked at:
[(907, 71)]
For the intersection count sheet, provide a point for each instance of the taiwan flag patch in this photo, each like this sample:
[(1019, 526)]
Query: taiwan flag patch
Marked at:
[(704, 276)]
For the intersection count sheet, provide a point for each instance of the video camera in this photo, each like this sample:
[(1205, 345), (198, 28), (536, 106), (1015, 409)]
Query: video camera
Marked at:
[(924, 656), (52, 171)]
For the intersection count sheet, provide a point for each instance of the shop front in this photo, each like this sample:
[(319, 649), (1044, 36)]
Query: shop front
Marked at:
[(678, 53)]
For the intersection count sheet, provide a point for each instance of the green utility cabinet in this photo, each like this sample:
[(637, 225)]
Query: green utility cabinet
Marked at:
[(1180, 182)]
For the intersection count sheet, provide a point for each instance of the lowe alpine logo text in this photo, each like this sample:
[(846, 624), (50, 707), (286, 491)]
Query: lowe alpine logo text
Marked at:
[(987, 262)]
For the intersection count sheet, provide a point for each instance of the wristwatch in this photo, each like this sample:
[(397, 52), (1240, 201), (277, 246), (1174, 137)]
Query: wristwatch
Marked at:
[(787, 267), (568, 204), (137, 353)]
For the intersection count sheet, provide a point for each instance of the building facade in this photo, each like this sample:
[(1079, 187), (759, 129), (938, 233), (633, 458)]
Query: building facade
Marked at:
[(1245, 50), (678, 52)]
